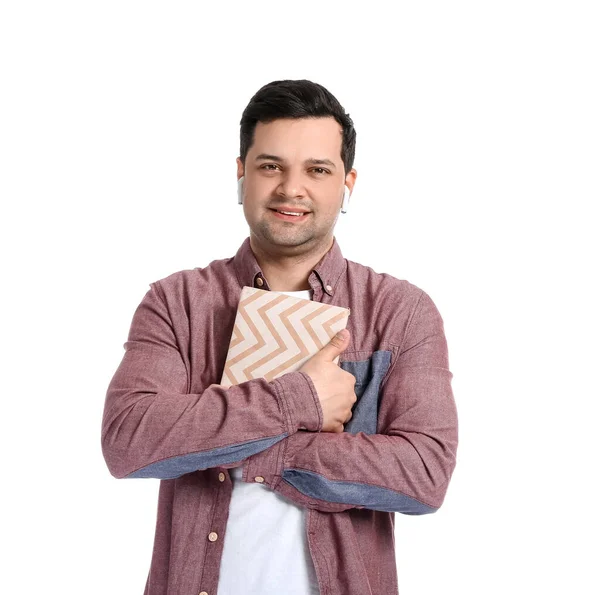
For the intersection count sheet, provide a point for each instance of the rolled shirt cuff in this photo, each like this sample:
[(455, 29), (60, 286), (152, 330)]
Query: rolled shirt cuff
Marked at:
[(299, 396)]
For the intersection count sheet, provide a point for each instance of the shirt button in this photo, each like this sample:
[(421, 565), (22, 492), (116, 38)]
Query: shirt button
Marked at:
[(328, 287), (213, 536), (259, 479), (259, 282), (221, 476)]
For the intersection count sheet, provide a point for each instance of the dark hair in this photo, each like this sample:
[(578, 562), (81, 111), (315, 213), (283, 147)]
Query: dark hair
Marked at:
[(296, 99)]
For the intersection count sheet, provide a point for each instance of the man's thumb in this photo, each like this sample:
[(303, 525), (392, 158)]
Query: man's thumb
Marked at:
[(337, 344)]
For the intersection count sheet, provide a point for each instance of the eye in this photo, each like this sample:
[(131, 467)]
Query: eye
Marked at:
[(269, 166), (320, 170)]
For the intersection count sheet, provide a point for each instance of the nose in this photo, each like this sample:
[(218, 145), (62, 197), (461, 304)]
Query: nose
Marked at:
[(291, 185)]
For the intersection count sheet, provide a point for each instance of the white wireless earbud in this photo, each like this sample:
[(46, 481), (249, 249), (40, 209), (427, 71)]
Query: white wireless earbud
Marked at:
[(346, 199), (240, 191)]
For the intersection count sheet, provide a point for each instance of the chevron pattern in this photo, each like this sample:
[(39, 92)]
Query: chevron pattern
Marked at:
[(275, 334)]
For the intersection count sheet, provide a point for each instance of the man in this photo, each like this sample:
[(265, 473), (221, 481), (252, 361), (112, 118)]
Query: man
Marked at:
[(288, 486)]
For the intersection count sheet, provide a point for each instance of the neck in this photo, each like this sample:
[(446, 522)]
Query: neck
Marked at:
[(288, 272)]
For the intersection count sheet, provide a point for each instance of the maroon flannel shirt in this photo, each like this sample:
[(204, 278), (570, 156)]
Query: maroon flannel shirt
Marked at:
[(166, 417)]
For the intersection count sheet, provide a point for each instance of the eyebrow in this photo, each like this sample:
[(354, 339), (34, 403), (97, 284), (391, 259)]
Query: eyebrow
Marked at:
[(267, 157)]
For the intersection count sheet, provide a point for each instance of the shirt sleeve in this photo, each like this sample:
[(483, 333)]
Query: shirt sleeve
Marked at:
[(152, 426), (407, 465)]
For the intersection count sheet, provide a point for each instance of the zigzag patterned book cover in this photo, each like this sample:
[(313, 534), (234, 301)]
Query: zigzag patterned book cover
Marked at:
[(274, 334)]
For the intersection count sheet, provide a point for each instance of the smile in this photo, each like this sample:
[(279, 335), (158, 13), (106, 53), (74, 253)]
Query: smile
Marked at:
[(287, 216)]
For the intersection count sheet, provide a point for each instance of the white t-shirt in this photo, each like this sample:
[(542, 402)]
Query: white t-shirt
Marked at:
[(265, 549)]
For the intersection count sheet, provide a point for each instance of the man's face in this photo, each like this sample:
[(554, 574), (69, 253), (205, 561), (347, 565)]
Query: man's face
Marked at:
[(294, 165)]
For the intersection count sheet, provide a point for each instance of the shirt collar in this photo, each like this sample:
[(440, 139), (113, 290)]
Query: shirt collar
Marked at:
[(325, 274)]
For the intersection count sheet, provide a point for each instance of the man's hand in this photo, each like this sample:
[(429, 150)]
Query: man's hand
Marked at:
[(334, 386)]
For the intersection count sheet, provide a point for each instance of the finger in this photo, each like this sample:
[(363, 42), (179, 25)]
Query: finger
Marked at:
[(337, 344)]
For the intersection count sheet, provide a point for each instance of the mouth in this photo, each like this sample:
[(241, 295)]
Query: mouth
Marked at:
[(290, 215)]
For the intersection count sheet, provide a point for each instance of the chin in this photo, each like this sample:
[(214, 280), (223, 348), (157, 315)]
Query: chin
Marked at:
[(282, 239)]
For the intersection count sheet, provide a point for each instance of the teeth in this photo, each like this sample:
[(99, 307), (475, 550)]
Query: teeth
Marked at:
[(296, 214)]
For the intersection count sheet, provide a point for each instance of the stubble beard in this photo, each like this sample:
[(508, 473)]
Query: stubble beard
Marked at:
[(284, 233)]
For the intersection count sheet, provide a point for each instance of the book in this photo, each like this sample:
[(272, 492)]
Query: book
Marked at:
[(274, 334)]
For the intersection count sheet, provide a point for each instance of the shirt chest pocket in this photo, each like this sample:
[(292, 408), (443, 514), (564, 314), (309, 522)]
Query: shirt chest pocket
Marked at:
[(369, 374)]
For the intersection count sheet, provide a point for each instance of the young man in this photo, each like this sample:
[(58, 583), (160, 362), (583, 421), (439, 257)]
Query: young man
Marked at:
[(286, 486)]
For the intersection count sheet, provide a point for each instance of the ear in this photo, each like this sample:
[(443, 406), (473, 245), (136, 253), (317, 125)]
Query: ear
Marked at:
[(351, 179), (240, 168)]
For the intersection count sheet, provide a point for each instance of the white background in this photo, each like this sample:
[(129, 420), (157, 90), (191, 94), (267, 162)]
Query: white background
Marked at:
[(478, 178)]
